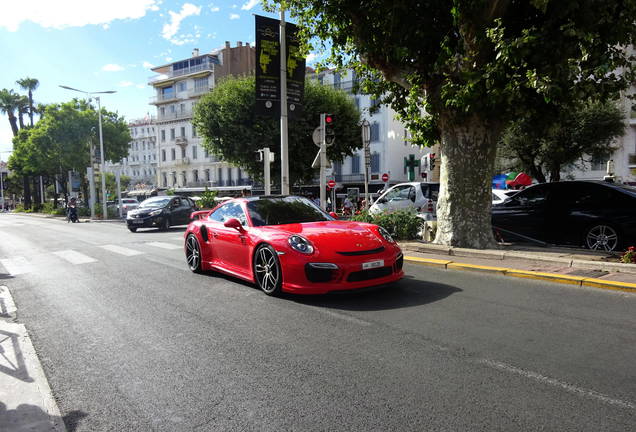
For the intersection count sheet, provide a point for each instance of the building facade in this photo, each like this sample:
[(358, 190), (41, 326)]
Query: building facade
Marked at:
[(182, 162), (390, 148)]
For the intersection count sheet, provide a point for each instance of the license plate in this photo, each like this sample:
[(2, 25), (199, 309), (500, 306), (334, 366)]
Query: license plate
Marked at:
[(138, 221), (372, 264)]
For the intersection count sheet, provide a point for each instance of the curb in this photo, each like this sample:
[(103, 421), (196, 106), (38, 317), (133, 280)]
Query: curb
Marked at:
[(526, 274)]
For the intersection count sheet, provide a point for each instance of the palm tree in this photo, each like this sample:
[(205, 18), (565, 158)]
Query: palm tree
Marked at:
[(29, 84), (23, 108), (9, 104)]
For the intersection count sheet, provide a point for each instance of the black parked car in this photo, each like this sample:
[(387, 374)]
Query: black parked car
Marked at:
[(161, 212), (595, 214)]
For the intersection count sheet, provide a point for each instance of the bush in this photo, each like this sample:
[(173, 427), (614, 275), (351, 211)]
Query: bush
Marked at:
[(402, 225), (207, 199), (629, 257)]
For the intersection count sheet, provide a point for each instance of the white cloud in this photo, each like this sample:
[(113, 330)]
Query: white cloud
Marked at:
[(250, 4), (214, 8), (112, 68), (168, 59), (234, 16), (147, 65), (170, 30), (126, 84), (78, 13)]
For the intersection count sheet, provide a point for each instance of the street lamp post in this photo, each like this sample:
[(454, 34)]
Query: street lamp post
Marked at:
[(101, 141), (366, 138)]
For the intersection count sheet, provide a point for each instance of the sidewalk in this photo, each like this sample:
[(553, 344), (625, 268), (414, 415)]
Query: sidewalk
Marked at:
[(63, 218), (26, 401), (561, 265)]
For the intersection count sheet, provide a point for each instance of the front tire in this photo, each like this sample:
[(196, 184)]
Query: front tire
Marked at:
[(193, 254), (131, 229), (267, 270), (602, 237), (165, 225)]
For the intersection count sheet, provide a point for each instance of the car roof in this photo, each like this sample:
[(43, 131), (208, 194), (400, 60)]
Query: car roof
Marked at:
[(630, 190)]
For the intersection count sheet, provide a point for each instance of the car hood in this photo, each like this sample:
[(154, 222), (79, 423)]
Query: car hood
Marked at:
[(143, 211), (338, 236)]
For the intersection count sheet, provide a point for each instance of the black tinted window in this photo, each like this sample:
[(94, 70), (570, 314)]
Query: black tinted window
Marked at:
[(281, 211), (228, 211), (430, 190), (535, 196)]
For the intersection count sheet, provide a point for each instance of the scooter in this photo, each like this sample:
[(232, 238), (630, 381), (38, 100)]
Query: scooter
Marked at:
[(71, 214)]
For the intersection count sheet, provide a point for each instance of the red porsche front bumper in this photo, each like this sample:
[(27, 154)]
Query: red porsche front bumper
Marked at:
[(352, 273)]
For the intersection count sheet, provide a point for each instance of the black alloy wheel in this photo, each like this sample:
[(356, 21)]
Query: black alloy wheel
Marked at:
[(165, 224), (602, 237), (267, 271), (132, 229), (193, 253)]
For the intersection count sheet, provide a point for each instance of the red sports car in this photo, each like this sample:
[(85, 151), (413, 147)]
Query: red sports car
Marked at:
[(287, 243)]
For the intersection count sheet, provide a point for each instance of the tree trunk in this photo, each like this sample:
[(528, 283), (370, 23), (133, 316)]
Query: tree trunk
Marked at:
[(27, 192), (13, 121), (555, 174), (467, 165)]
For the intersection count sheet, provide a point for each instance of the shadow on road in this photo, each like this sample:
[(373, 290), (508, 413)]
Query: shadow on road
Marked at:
[(157, 230), (405, 293), (28, 417)]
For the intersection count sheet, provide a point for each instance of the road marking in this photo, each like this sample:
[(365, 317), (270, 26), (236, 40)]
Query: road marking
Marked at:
[(164, 245), (74, 257), (556, 383), (121, 250), (16, 266)]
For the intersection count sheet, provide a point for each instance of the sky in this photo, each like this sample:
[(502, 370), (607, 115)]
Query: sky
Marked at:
[(97, 45)]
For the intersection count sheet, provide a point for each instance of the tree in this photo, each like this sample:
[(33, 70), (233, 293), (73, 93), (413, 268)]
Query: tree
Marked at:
[(544, 143), (111, 184), (9, 104), (224, 118), (29, 84), (473, 65)]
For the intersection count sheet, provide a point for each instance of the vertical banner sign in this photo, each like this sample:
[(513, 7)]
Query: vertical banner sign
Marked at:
[(76, 182), (268, 68), (295, 72)]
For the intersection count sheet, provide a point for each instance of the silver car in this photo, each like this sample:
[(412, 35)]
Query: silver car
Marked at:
[(419, 197)]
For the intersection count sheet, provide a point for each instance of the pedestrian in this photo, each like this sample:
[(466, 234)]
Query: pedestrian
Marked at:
[(347, 206)]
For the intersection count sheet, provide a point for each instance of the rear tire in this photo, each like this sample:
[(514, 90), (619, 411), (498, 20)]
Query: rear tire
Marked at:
[(193, 254)]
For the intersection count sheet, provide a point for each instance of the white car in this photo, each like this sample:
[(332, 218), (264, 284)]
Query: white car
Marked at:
[(419, 197), (128, 204), (500, 195)]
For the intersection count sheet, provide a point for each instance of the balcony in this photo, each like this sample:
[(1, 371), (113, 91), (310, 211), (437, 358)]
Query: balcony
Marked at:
[(181, 141), (183, 161), (163, 98), (207, 66), (177, 115), (198, 91)]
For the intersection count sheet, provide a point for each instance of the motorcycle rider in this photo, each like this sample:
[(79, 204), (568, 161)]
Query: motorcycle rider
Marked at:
[(71, 211)]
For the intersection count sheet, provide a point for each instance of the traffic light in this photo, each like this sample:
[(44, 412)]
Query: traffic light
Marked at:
[(330, 133), (431, 161)]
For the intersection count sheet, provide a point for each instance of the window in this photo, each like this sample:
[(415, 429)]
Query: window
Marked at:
[(229, 177), (194, 133), (357, 101), (184, 177), (355, 164), (599, 163), (400, 193), (172, 109), (183, 152), (375, 162), (533, 197), (375, 131), (182, 131), (162, 111), (336, 80), (207, 175), (182, 108), (174, 178), (228, 211), (194, 152), (337, 167), (200, 84), (181, 86), (172, 153), (195, 175), (163, 135), (167, 93), (172, 134)]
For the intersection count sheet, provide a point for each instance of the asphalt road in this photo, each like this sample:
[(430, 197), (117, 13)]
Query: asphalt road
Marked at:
[(131, 340)]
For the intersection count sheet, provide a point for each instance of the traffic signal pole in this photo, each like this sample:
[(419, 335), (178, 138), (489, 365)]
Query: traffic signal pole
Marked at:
[(284, 146)]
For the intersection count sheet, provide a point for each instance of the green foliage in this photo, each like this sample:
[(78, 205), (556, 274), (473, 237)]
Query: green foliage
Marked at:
[(226, 121), (207, 199), (111, 184), (543, 143), (170, 192), (402, 225), (629, 257)]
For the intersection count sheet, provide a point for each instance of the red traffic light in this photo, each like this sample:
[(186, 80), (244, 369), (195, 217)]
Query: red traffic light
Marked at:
[(328, 119)]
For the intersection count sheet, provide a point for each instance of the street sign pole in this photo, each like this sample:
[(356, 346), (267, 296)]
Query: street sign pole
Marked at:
[(284, 154), (323, 163), (1, 190), (266, 161), (366, 138), (118, 181)]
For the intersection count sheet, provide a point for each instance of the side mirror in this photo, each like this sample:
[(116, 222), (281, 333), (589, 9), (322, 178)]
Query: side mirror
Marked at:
[(234, 223), (333, 215)]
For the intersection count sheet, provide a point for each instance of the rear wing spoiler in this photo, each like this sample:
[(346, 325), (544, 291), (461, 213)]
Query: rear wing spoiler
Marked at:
[(200, 215)]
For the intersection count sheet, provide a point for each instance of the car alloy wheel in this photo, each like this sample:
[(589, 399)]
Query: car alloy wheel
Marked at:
[(601, 237), (165, 225), (193, 254), (267, 270)]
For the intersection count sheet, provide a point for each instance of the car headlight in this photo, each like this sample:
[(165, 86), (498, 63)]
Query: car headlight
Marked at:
[(155, 212), (384, 233), (300, 244)]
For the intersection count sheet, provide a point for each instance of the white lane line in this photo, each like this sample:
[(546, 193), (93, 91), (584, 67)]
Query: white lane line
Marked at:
[(16, 266), (121, 250), (556, 383), (74, 257), (164, 245)]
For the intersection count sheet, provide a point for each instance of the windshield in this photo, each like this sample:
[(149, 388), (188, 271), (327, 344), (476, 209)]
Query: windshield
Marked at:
[(155, 202), (284, 210)]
